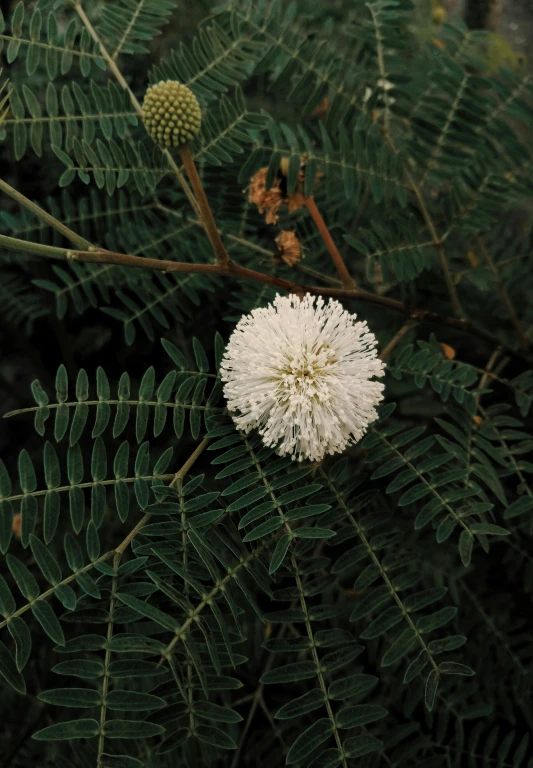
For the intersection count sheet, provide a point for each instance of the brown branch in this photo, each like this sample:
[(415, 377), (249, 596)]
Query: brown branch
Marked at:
[(206, 214), (347, 279), (231, 269)]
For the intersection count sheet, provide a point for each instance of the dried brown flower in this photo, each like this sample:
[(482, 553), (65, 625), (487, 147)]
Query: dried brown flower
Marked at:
[(272, 199), (295, 201), (289, 247), (268, 200)]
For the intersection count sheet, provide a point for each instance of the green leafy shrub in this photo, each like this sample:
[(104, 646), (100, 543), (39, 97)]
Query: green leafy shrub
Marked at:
[(172, 591)]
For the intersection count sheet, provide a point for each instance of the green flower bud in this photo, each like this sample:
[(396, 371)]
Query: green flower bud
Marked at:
[(162, 103)]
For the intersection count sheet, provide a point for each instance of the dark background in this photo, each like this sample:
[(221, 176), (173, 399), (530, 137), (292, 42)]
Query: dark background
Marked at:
[(93, 339)]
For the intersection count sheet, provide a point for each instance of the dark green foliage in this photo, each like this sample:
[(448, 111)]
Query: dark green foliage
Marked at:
[(125, 25), (173, 592), (35, 37), (20, 305)]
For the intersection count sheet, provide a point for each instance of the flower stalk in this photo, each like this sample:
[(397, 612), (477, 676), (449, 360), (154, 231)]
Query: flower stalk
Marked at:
[(206, 215), (347, 279)]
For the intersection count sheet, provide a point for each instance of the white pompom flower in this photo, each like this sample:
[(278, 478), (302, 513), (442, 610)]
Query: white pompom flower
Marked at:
[(301, 371)]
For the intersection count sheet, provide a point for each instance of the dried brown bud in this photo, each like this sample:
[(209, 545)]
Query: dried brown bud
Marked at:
[(322, 108), (16, 525), (289, 247), (449, 352)]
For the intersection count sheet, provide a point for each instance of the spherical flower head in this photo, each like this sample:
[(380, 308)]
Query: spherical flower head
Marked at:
[(171, 114), (301, 371)]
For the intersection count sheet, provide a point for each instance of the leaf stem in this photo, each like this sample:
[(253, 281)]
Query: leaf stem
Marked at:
[(80, 242), (149, 403), (320, 674), (303, 604), (119, 551), (107, 661)]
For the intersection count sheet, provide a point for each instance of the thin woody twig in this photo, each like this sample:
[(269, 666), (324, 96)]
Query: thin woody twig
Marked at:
[(347, 279), (180, 474), (198, 200), (206, 214), (75, 239), (524, 341), (253, 708), (487, 373), (231, 269), (406, 327), (116, 553)]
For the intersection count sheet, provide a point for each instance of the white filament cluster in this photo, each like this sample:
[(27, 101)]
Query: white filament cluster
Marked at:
[(300, 371)]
